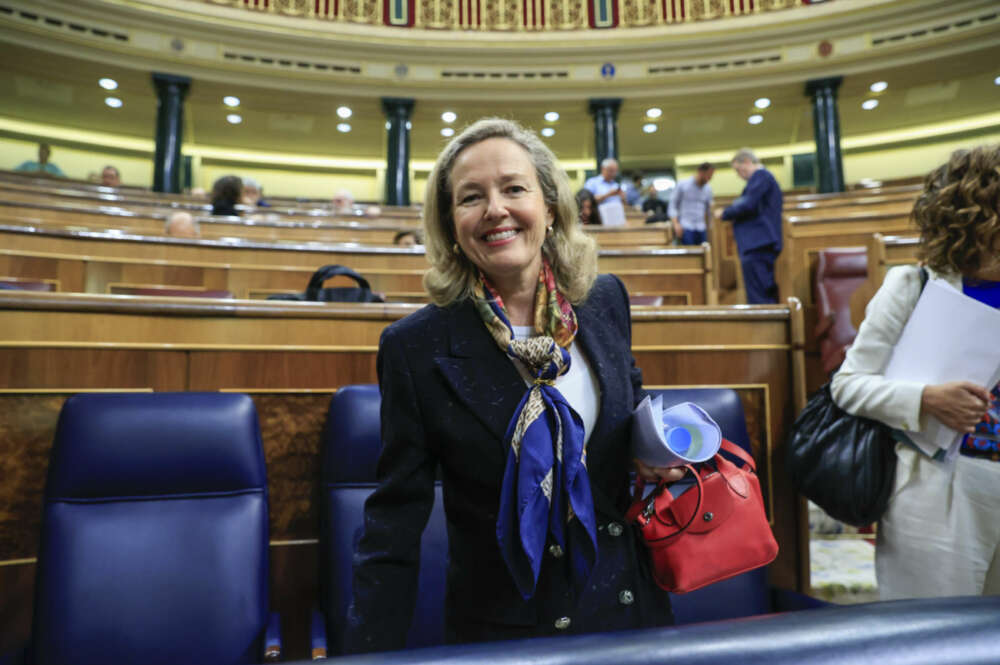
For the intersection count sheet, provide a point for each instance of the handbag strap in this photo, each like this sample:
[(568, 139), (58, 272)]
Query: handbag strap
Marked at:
[(640, 512), (736, 451)]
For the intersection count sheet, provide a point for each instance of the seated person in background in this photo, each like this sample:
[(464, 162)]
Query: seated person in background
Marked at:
[(690, 206), (253, 194), (343, 203), (654, 207), (182, 225), (43, 165), (226, 193), (587, 205), (110, 177), (407, 239)]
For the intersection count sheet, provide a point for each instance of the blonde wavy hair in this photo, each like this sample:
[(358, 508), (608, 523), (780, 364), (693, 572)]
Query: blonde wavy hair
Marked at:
[(572, 254), (958, 212)]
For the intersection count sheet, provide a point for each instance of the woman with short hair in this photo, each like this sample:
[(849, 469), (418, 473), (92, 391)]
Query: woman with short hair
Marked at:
[(520, 384), (941, 533)]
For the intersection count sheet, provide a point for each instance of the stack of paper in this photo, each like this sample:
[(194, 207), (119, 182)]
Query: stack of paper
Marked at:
[(949, 337)]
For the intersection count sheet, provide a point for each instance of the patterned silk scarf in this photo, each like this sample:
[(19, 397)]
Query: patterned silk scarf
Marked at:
[(545, 497)]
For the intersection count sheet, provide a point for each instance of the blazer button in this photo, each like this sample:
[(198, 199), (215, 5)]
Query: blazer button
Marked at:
[(555, 551), (563, 623), (615, 529), (626, 597)]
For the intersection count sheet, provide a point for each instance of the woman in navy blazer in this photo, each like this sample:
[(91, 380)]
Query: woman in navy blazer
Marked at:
[(499, 212)]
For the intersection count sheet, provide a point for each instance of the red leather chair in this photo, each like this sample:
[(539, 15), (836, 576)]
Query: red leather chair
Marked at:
[(839, 272)]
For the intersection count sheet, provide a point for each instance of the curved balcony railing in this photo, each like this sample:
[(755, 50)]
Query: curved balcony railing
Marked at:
[(514, 15)]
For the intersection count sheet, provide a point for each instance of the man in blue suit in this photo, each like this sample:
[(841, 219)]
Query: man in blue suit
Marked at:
[(756, 218)]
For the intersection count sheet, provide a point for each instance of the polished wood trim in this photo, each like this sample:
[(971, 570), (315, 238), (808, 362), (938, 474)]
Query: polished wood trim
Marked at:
[(107, 303), (294, 543), (12, 344), (19, 562), (708, 313), (68, 391), (713, 347), (281, 391)]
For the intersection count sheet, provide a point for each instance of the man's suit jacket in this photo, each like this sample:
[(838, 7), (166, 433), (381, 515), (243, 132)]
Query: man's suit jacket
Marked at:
[(448, 395), (756, 214)]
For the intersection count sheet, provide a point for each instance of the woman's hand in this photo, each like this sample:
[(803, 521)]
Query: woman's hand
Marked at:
[(654, 474), (960, 405)]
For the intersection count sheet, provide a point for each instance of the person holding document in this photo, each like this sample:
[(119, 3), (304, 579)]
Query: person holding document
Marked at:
[(519, 384), (608, 194), (941, 533)]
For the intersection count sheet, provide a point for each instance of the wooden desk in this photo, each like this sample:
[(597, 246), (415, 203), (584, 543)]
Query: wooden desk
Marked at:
[(84, 261)]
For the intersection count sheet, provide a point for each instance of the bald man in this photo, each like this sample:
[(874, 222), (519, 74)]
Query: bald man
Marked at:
[(182, 225)]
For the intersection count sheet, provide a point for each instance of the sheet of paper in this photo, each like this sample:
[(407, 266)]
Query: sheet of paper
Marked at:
[(683, 434), (612, 212), (949, 337)]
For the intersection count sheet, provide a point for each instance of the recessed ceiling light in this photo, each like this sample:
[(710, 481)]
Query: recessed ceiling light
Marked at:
[(409, 125), (649, 128), (869, 104), (551, 116), (449, 116), (230, 101), (548, 131), (113, 102), (654, 112), (755, 119), (344, 112), (996, 81), (447, 131), (234, 118), (762, 103), (878, 86), (108, 84), (343, 127)]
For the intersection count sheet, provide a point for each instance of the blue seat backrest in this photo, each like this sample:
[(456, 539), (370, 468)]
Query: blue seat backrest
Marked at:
[(351, 446), (154, 533), (746, 594)]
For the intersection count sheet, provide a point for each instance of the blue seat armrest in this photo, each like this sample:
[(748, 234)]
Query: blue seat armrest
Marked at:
[(272, 638), (317, 635), (783, 600)]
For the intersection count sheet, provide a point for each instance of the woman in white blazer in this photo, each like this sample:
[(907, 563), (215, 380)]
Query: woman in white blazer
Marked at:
[(941, 533)]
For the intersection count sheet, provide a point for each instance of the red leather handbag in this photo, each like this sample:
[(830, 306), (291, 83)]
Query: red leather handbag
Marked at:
[(713, 531)]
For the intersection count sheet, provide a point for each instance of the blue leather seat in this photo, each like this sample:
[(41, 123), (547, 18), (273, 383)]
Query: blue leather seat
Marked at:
[(154, 544), (351, 447)]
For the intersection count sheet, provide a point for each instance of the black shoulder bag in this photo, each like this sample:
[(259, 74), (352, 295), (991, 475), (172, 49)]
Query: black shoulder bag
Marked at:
[(844, 464)]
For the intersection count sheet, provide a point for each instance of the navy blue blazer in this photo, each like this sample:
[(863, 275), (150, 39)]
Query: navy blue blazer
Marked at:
[(448, 394), (756, 214)]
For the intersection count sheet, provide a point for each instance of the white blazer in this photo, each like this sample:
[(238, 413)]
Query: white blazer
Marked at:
[(859, 387)]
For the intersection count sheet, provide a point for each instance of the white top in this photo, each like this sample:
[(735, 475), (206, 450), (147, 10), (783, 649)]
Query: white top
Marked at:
[(690, 204), (579, 385)]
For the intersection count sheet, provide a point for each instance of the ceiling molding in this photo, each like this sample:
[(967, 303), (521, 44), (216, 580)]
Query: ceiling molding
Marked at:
[(222, 44)]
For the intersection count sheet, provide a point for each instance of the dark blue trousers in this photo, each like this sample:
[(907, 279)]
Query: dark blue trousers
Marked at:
[(758, 275), (689, 237)]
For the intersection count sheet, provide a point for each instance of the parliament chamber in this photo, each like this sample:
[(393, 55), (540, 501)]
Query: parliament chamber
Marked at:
[(848, 103)]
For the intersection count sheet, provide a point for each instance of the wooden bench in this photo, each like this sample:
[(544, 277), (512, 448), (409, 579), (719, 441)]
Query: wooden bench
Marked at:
[(91, 262), (290, 357)]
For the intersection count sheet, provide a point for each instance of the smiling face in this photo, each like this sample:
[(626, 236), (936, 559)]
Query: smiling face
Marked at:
[(499, 212)]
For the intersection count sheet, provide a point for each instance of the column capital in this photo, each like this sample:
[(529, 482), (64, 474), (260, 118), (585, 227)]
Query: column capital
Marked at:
[(166, 81), (604, 103), (391, 105), (831, 83)]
